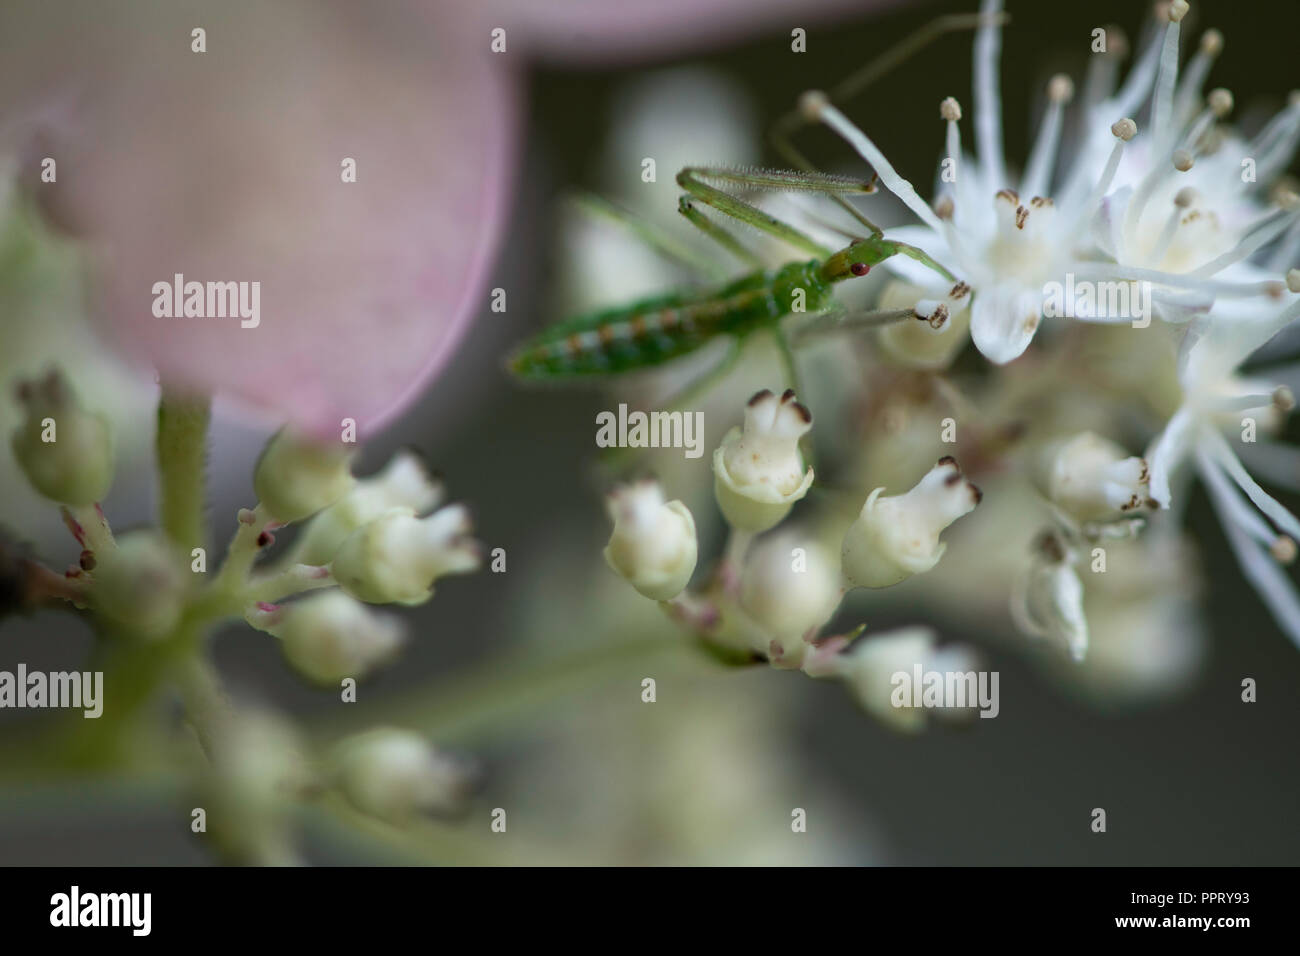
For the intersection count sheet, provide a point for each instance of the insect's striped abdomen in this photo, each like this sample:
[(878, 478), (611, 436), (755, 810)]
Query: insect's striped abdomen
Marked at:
[(643, 334)]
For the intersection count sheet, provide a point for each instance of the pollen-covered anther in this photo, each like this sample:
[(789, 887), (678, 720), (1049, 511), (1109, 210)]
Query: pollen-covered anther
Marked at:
[(1286, 198), (812, 104), (950, 109), (1176, 10), (934, 313), (1186, 197), (1212, 42), (897, 536), (1124, 129), (1022, 216), (1283, 549), (944, 208), (1283, 399), (1293, 280), (1183, 160), (1220, 102), (1060, 89)]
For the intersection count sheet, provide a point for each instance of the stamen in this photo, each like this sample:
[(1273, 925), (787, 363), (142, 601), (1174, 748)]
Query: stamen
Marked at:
[(1273, 510), (1042, 158), (1198, 68), (988, 104), (1162, 106), (868, 150), (1255, 236)]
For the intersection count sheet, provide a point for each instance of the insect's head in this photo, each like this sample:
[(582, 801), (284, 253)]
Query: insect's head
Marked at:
[(856, 259)]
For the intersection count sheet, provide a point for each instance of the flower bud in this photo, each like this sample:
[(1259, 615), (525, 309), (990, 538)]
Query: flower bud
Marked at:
[(140, 585), (1091, 479), (789, 588), (1048, 602), (396, 558), (65, 450), (395, 774), (298, 476), (403, 484), (876, 667), (898, 536), (653, 543), (758, 471), (329, 636)]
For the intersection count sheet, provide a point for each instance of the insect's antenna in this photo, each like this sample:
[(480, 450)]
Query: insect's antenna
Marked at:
[(782, 132)]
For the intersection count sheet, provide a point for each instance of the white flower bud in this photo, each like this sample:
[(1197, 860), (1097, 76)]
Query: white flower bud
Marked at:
[(396, 774), (298, 476), (1048, 601), (396, 558), (653, 543), (65, 450), (403, 484), (758, 470), (1091, 479), (871, 668), (329, 636), (140, 585), (789, 587), (898, 536)]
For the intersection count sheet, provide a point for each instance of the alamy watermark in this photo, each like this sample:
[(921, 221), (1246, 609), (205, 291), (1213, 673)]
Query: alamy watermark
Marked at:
[(208, 300), (1099, 299), (638, 429), (56, 689), (955, 690)]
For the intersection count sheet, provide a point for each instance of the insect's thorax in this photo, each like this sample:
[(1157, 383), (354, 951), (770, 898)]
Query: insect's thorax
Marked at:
[(799, 287)]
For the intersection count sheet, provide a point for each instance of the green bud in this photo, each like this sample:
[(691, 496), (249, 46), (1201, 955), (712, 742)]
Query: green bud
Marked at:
[(297, 476), (65, 451), (140, 585)]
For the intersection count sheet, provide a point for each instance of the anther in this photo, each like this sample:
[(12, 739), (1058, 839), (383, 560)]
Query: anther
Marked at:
[(1124, 129)]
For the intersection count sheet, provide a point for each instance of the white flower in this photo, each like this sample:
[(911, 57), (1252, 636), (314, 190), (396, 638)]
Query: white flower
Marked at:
[(1048, 602), (298, 476), (653, 544), (1118, 211), (758, 470), (789, 587), (1091, 479), (897, 536), (1260, 530), (871, 668), (405, 483), (396, 558), (64, 449), (329, 636), (396, 774)]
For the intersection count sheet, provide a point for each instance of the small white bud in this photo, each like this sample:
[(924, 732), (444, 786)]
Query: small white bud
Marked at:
[(788, 594), (898, 536), (396, 558), (394, 775), (329, 636), (758, 470), (1091, 478), (140, 585), (298, 476), (1048, 603), (872, 669), (76, 466), (653, 544), (404, 483)]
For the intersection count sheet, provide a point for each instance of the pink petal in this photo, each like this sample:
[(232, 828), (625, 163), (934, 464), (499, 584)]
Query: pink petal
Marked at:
[(225, 166)]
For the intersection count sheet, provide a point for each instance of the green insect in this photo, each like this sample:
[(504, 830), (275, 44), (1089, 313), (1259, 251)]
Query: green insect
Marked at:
[(658, 329)]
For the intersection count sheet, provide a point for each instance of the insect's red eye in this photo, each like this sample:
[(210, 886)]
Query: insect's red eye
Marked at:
[(859, 268)]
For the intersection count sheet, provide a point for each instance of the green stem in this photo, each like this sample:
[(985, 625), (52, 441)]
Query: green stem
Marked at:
[(182, 451)]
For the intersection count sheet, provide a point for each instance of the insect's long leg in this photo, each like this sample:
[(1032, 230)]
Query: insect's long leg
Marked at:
[(786, 126), (692, 179), (651, 235), (718, 234), (832, 324)]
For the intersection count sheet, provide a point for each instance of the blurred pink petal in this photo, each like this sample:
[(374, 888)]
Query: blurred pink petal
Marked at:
[(604, 30), (226, 166)]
